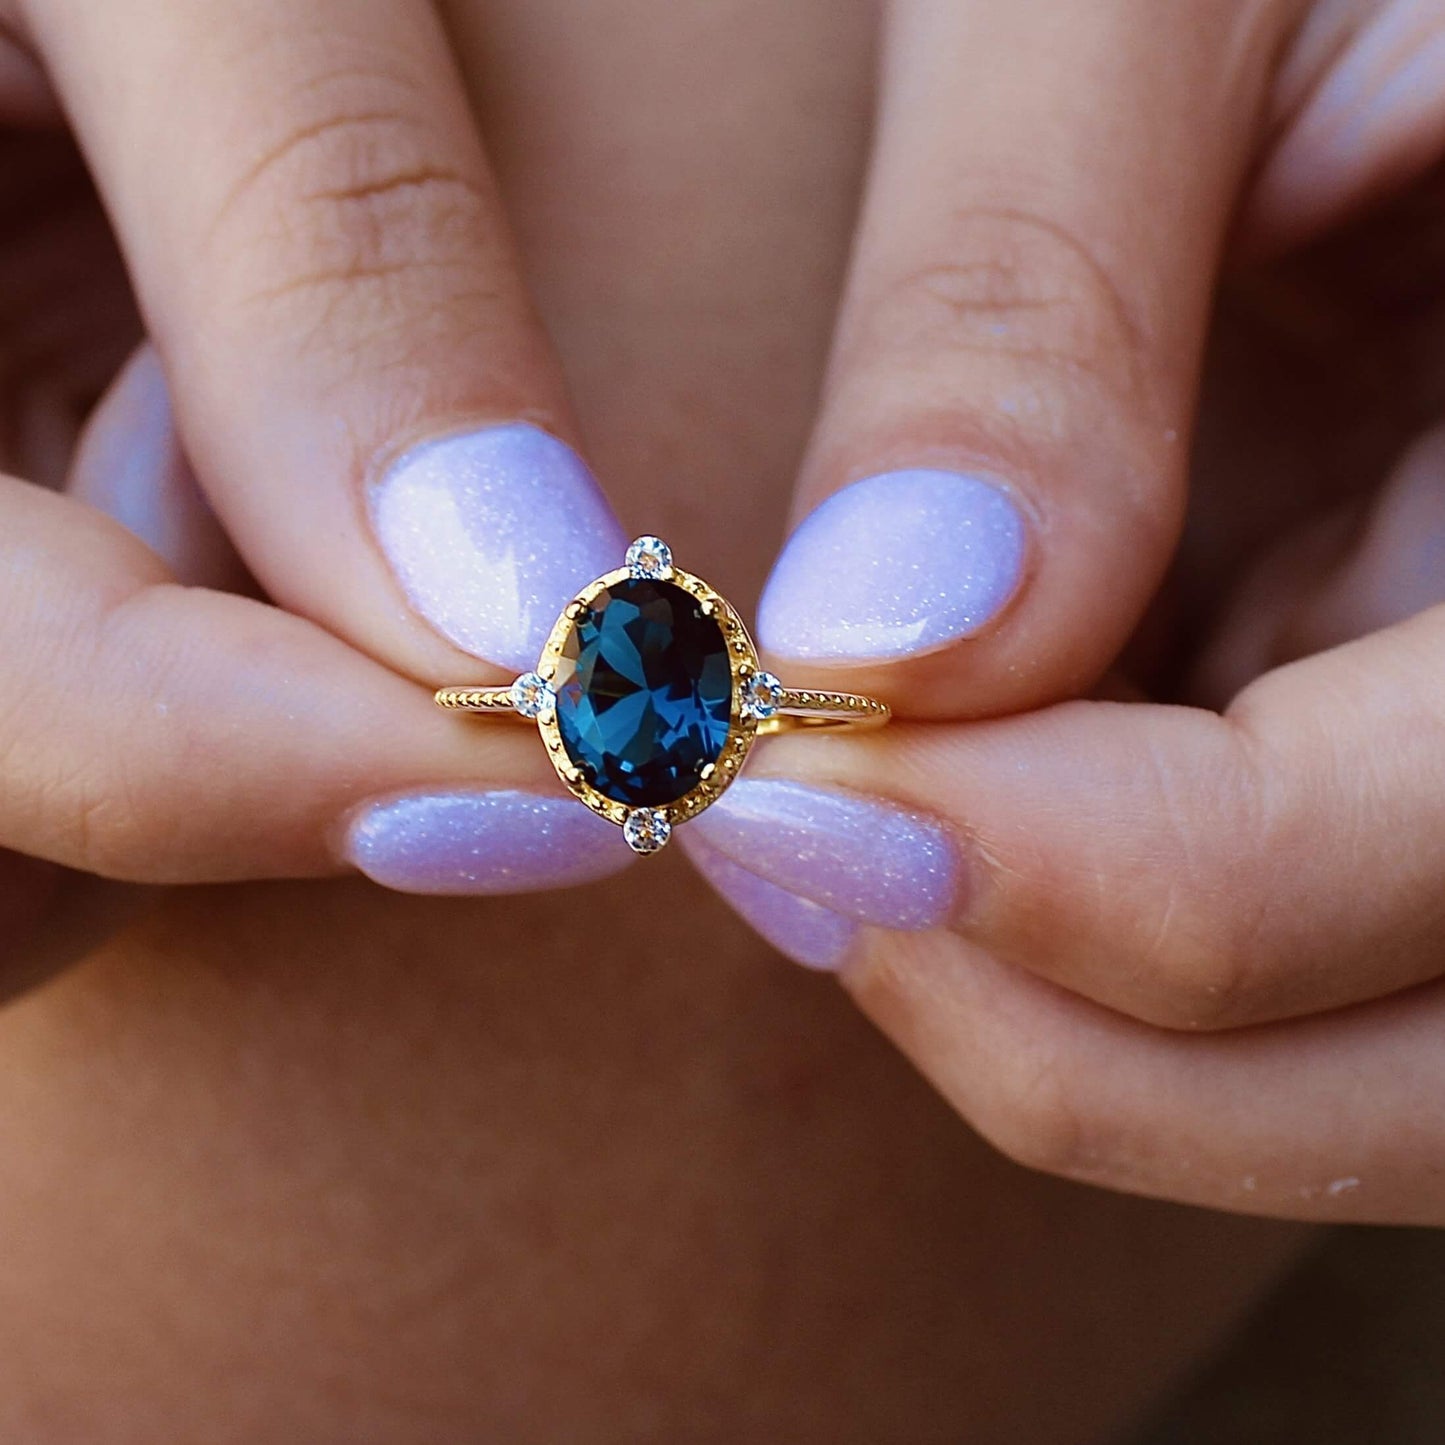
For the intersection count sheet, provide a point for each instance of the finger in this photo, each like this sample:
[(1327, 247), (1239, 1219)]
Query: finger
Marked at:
[(1350, 573), (26, 98), (809, 933), (1334, 1118), (1191, 870), (1356, 114), (130, 466), (65, 318), (163, 734), (321, 258), (1394, 568), (1016, 358)]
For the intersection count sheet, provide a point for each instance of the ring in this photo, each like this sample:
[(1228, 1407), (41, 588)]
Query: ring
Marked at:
[(649, 696)]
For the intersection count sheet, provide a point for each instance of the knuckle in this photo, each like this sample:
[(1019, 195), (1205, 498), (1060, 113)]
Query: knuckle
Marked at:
[(352, 215), (1039, 1117), (103, 824), (1203, 942), (85, 815), (96, 787), (1021, 290)]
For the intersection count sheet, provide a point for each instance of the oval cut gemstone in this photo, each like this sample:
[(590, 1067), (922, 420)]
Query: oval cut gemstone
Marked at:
[(644, 692)]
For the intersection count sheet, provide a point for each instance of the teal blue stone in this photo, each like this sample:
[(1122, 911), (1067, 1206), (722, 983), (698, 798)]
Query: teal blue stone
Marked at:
[(644, 692)]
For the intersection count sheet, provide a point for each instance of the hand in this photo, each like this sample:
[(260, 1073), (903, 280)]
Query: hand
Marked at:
[(317, 249), (1171, 950)]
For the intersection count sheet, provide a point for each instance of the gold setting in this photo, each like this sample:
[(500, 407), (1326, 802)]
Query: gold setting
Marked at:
[(805, 707), (477, 699)]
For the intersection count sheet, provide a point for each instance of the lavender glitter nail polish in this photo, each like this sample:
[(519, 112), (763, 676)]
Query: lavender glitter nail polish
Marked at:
[(900, 563), (491, 533), (867, 860), (804, 931), (131, 467), (483, 842)]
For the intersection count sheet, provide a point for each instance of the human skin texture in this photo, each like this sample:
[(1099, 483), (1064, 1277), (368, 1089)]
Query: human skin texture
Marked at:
[(318, 1162), (1189, 937)]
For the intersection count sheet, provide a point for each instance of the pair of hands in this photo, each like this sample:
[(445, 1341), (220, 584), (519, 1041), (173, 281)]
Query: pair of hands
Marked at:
[(1146, 945)]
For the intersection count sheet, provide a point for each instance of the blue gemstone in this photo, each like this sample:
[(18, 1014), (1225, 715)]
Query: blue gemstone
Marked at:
[(644, 692)]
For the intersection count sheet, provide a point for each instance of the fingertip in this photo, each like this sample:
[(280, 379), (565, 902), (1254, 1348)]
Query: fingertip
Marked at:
[(476, 842), (896, 565), (490, 532), (811, 935), (978, 589), (853, 854)]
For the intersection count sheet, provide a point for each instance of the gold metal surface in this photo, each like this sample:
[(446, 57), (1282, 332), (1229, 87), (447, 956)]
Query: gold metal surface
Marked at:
[(477, 699), (811, 708), (798, 707)]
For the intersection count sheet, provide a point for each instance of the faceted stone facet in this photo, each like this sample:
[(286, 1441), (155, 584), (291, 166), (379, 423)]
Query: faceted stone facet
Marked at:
[(644, 692)]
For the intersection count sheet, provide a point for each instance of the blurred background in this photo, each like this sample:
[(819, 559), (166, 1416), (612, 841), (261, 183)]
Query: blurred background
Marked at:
[(1349, 1350)]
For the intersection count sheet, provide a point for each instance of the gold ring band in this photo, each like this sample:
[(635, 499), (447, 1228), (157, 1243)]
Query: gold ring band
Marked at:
[(797, 708), (649, 696)]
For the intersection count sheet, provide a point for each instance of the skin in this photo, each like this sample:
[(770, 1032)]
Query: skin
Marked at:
[(312, 1161), (340, 281), (1222, 984), (1248, 1022)]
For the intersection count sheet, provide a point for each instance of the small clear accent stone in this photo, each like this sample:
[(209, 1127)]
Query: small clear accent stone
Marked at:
[(650, 558), (646, 830), (762, 695), (531, 696)]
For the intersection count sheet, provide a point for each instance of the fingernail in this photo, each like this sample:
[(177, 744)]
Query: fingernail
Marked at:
[(894, 564), (866, 860), (483, 842), (804, 931), (131, 467), (491, 533)]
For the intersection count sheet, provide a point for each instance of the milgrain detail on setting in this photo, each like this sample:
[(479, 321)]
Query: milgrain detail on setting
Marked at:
[(475, 699), (649, 696), (809, 708)]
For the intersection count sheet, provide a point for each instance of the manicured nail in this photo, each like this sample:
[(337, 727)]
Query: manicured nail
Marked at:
[(799, 929), (894, 564), (1376, 89), (483, 842), (867, 860), (131, 467), (491, 533)]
